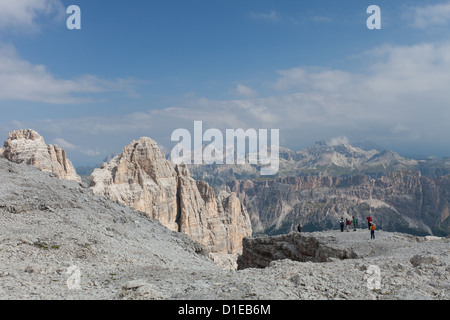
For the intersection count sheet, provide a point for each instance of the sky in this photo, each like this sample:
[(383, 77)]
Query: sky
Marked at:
[(312, 69)]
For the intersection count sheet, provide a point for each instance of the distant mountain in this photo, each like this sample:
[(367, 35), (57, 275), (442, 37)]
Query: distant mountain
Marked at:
[(341, 158), (317, 185), (398, 201), (336, 158)]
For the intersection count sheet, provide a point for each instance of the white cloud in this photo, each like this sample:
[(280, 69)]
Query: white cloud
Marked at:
[(271, 16), (64, 144), (69, 146), (312, 79), (244, 91), (321, 19), (435, 14), (90, 152), (336, 141), (404, 84), (22, 14), (22, 80)]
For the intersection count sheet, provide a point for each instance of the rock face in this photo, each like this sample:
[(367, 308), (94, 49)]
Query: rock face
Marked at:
[(331, 246), (141, 178), (399, 201), (218, 222), (27, 146), (260, 252)]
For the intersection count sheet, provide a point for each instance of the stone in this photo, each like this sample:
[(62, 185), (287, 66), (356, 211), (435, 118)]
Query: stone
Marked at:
[(259, 252), (417, 260)]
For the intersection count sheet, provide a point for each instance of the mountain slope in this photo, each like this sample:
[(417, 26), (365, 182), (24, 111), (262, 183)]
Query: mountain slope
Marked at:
[(51, 230)]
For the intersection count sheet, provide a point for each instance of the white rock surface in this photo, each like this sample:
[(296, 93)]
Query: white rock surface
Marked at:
[(27, 146), (50, 226)]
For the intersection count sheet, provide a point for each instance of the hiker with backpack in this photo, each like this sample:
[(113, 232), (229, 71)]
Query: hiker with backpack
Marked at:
[(369, 221), (354, 223), (372, 231), (341, 222)]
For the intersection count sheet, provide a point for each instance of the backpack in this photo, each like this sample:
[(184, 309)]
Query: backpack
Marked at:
[(372, 227)]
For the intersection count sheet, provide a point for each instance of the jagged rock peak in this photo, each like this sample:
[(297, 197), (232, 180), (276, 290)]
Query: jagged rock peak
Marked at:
[(143, 179), (28, 146)]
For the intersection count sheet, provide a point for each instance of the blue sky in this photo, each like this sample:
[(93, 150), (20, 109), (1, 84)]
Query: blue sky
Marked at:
[(145, 68)]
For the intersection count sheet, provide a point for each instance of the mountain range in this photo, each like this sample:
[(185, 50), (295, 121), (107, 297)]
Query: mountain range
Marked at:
[(335, 158), (215, 204), (318, 185)]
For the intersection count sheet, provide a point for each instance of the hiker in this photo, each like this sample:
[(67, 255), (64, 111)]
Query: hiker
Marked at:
[(347, 222), (372, 231), (354, 223), (299, 228), (369, 221), (341, 222)]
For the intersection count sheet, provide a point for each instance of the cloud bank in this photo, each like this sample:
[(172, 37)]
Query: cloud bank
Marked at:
[(22, 14), (399, 101), (22, 80), (430, 15)]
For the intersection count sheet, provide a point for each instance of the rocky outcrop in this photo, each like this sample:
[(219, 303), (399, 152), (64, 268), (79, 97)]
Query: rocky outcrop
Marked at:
[(27, 146), (399, 201), (260, 252), (141, 178), (332, 246)]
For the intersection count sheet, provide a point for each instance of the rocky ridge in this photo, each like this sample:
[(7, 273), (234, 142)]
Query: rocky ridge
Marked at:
[(29, 147), (119, 253), (335, 158)]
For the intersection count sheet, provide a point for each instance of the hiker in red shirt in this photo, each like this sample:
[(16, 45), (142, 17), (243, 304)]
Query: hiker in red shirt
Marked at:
[(347, 222), (369, 221)]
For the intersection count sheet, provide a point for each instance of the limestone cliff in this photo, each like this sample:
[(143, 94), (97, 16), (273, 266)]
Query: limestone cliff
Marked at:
[(141, 178), (399, 201), (27, 146)]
